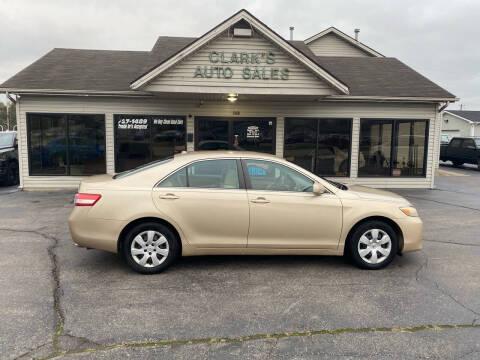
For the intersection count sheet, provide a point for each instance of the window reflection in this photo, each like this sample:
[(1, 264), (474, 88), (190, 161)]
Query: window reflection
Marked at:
[(66, 144), (140, 139), (375, 148), (407, 139), (321, 146)]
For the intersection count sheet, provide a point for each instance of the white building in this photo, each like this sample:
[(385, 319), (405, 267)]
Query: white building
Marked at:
[(329, 103), (461, 123)]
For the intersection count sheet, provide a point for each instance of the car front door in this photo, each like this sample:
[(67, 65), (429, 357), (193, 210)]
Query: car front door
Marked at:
[(470, 151), (284, 212), (208, 201)]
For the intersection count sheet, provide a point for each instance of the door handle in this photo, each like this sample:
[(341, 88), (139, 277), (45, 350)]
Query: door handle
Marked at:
[(169, 196), (260, 200)]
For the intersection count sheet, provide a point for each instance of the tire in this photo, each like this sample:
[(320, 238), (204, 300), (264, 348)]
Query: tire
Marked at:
[(457, 163), (154, 259), (11, 177), (383, 249)]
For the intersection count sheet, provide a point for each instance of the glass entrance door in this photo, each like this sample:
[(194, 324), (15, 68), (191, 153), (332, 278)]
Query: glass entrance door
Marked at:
[(248, 134)]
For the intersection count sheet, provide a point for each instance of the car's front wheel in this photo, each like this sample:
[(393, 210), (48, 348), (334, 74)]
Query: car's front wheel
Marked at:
[(373, 245), (150, 248)]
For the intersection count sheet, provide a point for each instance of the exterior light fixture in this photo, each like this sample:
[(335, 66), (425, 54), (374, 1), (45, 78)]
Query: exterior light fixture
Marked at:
[(232, 97)]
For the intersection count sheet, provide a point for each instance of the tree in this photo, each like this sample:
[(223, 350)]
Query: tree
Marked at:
[(12, 115)]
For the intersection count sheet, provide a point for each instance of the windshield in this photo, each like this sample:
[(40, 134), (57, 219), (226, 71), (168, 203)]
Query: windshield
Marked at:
[(336, 184), (6, 140), (142, 167)]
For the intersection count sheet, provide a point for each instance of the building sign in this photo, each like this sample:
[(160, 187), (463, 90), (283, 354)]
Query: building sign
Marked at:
[(256, 66), (142, 123), (253, 132)]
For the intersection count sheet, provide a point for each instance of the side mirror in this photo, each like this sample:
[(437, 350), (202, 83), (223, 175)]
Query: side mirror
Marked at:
[(318, 189)]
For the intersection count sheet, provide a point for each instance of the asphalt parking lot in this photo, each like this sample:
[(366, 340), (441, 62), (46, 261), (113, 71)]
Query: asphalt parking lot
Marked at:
[(57, 300)]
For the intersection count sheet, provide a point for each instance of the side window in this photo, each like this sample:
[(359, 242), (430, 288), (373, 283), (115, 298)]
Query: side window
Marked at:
[(456, 143), (177, 179), (468, 142), (213, 174), (267, 175)]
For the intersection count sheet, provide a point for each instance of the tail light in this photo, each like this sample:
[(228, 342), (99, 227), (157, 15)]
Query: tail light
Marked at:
[(86, 199)]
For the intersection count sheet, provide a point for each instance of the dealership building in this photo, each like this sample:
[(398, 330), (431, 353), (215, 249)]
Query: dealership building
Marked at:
[(329, 103)]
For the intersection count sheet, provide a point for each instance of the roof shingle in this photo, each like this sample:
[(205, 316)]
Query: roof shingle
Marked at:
[(108, 70)]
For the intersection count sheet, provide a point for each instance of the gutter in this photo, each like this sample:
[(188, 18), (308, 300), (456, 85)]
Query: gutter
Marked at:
[(9, 97)]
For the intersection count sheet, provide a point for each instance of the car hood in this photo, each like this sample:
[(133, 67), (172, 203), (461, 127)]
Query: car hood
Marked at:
[(5, 149), (368, 193)]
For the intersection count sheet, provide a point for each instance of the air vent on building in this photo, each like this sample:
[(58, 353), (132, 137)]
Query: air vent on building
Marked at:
[(241, 32)]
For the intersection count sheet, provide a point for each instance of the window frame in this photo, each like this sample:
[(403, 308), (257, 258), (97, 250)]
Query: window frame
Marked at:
[(67, 140), (150, 135), (394, 146), (317, 121), (248, 182), (240, 174)]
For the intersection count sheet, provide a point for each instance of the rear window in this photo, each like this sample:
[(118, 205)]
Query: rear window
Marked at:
[(456, 143), (477, 141), (142, 168)]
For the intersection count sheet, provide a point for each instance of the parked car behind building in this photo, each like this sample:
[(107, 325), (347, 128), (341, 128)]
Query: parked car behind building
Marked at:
[(8, 158), (461, 150)]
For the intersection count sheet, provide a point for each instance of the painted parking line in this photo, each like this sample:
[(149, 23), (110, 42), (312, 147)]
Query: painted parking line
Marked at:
[(450, 173)]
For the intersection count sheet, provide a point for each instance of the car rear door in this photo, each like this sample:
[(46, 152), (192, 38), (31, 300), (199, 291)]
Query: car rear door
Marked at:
[(284, 212), (208, 201)]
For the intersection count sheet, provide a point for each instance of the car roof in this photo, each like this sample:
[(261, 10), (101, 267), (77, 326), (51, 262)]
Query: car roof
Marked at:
[(197, 155)]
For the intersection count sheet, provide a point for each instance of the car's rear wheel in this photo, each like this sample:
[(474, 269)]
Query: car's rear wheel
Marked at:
[(457, 163), (150, 248), (373, 245)]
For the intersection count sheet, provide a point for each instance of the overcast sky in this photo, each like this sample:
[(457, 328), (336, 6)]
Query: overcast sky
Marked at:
[(438, 38)]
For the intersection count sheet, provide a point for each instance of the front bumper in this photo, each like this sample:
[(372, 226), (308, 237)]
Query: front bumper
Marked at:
[(412, 228), (92, 232)]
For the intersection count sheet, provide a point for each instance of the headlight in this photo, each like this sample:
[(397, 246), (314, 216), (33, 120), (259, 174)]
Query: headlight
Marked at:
[(3, 156), (409, 211)]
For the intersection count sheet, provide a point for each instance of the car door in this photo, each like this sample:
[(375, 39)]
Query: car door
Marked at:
[(208, 201), (284, 212), (469, 150)]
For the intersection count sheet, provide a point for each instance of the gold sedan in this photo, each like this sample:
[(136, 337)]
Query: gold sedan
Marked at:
[(240, 203)]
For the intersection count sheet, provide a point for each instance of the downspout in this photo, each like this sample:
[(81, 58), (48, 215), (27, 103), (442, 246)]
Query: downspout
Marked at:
[(9, 97)]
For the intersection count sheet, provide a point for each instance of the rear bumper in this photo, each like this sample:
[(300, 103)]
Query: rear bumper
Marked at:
[(412, 228), (93, 232)]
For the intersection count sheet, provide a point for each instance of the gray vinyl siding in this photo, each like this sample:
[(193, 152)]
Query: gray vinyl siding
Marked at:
[(280, 110), (180, 78), (332, 45)]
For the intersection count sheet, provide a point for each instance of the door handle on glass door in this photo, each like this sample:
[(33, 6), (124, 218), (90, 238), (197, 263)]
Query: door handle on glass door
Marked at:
[(169, 196), (260, 200)]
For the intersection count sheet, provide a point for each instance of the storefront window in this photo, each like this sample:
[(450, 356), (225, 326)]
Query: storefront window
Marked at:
[(66, 144), (140, 139), (392, 147), (249, 134), (321, 146)]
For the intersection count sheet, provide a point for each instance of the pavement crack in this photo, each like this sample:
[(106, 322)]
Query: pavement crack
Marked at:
[(450, 242), (277, 336), (58, 311), (418, 278)]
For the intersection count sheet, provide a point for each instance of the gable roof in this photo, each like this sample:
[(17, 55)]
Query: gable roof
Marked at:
[(112, 71), (268, 33), (468, 115), (347, 38)]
